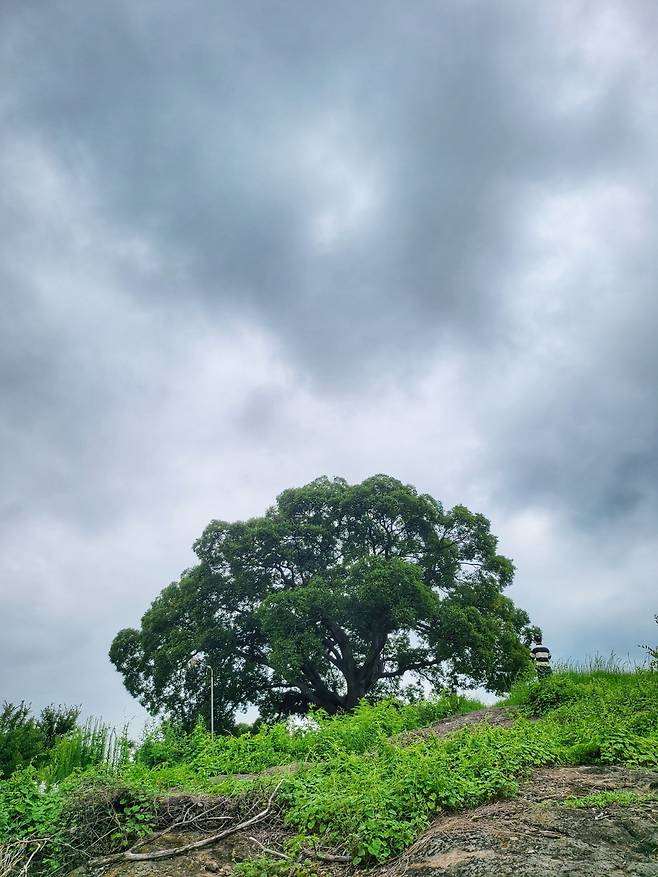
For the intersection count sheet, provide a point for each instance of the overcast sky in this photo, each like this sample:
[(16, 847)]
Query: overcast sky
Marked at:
[(244, 244)]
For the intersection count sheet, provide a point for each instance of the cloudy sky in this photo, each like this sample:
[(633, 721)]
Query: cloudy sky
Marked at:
[(244, 244)]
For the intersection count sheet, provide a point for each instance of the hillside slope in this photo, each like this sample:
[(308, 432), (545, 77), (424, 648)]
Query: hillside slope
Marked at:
[(441, 786), (588, 820), (534, 833)]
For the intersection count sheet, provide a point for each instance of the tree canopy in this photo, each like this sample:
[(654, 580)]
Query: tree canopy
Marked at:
[(337, 593)]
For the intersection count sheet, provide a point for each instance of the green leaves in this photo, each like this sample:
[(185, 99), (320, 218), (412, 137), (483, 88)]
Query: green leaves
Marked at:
[(135, 816), (28, 811)]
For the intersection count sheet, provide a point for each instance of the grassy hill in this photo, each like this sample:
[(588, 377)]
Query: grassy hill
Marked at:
[(359, 788)]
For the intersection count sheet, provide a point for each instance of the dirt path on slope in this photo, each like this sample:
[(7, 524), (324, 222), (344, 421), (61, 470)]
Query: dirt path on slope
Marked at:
[(493, 715)]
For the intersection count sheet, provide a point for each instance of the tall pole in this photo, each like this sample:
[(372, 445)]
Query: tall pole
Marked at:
[(212, 703)]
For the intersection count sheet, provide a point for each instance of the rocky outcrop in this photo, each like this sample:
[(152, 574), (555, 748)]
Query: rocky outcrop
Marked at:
[(535, 835)]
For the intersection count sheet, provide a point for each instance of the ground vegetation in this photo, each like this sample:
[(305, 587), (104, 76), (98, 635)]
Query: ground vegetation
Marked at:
[(344, 791)]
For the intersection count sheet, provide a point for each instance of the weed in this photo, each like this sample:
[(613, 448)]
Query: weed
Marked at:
[(267, 866), (618, 798)]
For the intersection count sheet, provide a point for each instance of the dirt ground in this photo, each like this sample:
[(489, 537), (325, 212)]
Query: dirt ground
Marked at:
[(217, 859), (493, 715)]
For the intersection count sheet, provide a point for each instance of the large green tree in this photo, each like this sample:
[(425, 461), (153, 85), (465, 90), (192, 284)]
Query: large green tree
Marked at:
[(338, 592)]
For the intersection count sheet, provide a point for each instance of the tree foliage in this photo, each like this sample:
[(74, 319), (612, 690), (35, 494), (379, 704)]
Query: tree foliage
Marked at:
[(26, 740), (337, 593)]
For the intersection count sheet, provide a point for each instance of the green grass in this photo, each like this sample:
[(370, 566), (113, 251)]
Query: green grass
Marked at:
[(617, 798), (603, 715), (354, 789), (91, 745)]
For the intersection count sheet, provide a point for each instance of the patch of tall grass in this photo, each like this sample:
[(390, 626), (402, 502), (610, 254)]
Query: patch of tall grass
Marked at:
[(93, 744), (597, 674)]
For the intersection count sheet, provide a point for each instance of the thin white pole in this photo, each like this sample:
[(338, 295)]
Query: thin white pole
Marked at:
[(212, 703)]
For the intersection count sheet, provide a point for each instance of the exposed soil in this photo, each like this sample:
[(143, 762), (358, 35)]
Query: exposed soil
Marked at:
[(493, 715)]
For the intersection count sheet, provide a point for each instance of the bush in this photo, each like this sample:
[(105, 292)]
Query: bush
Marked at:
[(25, 740), (28, 812), (21, 739), (549, 693)]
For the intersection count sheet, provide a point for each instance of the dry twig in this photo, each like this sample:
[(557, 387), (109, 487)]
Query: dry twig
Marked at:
[(13, 856), (272, 852), (326, 857)]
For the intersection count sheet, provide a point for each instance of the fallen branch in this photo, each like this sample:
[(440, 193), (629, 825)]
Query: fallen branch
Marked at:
[(272, 852), (325, 857), (131, 856), (14, 852)]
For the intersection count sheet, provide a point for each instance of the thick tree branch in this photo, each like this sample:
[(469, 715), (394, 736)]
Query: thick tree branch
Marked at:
[(371, 665), (418, 665), (343, 641)]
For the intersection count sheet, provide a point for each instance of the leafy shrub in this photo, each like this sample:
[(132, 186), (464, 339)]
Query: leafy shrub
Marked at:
[(57, 721), (163, 745), (28, 811), (624, 747), (549, 693), (51, 740), (21, 740)]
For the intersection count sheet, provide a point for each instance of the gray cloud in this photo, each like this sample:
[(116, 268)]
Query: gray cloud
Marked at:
[(245, 245), (351, 174)]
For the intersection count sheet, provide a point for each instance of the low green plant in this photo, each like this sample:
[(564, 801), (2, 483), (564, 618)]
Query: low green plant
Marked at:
[(375, 804), (135, 818), (313, 739), (268, 866), (31, 814), (617, 797)]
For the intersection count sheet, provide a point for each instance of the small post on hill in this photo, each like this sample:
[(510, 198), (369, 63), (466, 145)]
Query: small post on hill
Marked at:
[(212, 702)]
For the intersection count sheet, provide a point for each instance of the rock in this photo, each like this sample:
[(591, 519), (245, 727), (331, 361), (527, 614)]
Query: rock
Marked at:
[(533, 835)]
